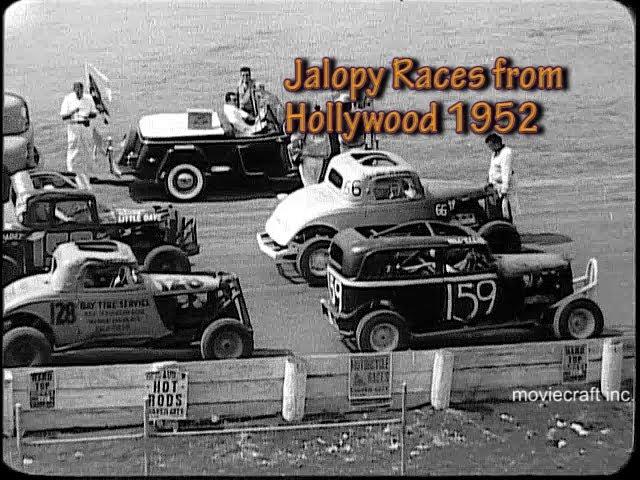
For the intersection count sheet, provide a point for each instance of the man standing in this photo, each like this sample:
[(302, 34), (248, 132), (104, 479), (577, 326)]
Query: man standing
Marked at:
[(501, 174), (268, 101), (246, 92), (78, 108), (309, 151)]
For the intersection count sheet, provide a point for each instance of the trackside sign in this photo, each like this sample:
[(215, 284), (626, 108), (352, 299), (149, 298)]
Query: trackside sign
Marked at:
[(167, 393), (370, 376), (42, 390), (575, 362)]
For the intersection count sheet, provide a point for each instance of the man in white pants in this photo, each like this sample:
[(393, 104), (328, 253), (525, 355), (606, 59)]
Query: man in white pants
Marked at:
[(501, 173), (78, 108)]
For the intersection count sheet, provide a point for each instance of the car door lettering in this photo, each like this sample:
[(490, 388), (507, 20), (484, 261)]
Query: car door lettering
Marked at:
[(63, 313), (482, 300)]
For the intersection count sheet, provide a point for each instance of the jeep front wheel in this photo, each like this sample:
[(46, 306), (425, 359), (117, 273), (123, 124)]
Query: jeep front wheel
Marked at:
[(25, 347), (382, 331), (578, 319), (226, 340), (184, 182), (166, 258), (312, 261)]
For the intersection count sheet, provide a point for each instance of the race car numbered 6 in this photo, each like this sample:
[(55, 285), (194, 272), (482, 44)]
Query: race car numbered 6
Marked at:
[(166, 387)]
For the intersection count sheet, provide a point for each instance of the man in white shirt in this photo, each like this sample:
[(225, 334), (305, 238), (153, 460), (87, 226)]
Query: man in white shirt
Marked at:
[(269, 101), (78, 108), (310, 152), (243, 123), (501, 174)]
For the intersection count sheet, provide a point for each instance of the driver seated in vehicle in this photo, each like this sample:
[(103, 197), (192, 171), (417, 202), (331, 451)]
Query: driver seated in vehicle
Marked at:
[(244, 124), (408, 189), (121, 279)]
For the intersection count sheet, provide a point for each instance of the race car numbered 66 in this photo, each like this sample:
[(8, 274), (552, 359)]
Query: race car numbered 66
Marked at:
[(391, 289)]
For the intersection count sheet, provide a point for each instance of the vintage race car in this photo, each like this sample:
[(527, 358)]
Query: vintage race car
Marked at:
[(51, 208), (95, 296), (373, 188), (168, 149), (387, 291)]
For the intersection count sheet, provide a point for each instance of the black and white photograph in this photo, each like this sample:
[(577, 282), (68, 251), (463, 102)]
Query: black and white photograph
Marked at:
[(318, 237)]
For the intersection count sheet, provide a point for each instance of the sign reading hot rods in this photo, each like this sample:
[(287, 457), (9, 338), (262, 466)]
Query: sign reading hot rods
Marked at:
[(167, 393)]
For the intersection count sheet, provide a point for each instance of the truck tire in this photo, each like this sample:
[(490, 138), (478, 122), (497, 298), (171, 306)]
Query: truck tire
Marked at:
[(25, 347), (382, 331), (184, 182), (578, 319), (502, 237), (225, 339), (312, 260), (166, 258), (10, 270)]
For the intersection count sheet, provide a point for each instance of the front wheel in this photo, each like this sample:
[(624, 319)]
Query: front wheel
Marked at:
[(382, 331), (25, 347), (578, 319), (184, 182), (312, 261), (225, 339), (166, 258)]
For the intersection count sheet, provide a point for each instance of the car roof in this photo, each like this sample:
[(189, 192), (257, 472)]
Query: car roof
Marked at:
[(364, 163), (12, 100), (77, 253)]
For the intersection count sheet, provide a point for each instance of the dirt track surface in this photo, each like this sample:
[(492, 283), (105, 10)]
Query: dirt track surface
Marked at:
[(518, 438)]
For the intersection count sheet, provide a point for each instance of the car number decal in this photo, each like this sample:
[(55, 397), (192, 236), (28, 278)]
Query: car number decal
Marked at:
[(63, 313), (441, 209), (335, 291), (482, 298)]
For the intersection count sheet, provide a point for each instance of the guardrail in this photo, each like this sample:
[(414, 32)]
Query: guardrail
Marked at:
[(113, 395)]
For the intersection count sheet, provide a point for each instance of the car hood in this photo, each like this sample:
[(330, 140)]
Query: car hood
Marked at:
[(25, 290), (441, 189), (513, 265), (301, 207)]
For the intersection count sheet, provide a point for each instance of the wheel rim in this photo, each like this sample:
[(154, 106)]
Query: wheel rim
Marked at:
[(318, 261), (21, 352), (384, 337), (185, 181), (227, 344), (581, 323)]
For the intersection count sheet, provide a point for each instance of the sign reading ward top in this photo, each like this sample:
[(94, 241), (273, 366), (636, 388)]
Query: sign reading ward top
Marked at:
[(42, 390), (575, 362), (370, 376), (199, 119), (167, 393)]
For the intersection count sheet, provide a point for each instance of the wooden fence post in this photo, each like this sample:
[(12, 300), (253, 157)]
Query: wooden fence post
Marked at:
[(441, 379), (294, 389), (611, 371)]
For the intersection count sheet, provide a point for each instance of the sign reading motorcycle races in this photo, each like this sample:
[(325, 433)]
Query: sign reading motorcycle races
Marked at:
[(370, 376), (167, 393), (42, 390), (575, 362)]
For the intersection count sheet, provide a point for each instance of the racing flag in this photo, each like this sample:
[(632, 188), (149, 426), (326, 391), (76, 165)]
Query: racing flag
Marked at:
[(96, 80)]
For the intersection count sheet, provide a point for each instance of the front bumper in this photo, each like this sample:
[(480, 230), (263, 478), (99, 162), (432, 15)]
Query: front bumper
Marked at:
[(274, 250), (345, 324)]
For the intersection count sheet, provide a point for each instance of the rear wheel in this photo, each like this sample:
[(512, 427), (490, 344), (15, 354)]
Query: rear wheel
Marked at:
[(167, 258), (578, 319), (184, 182), (502, 237), (225, 341), (25, 347), (382, 331), (312, 260)]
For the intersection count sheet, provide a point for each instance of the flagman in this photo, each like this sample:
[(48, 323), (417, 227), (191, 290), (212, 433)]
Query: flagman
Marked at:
[(78, 108)]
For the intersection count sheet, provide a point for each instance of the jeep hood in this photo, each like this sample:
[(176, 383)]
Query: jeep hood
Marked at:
[(25, 290), (445, 190), (302, 207), (514, 265)]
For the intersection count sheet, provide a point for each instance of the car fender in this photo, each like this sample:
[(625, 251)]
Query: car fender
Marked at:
[(25, 318), (174, 154), (224, 322), (377, 304)]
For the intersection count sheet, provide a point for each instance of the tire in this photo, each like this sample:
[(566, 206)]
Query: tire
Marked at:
[(25, 347), (469, 208), (376, 329), (166, 258), (310, 259), (501, 236), (184, 182), (225, 339), (10, 270), (578, 320)]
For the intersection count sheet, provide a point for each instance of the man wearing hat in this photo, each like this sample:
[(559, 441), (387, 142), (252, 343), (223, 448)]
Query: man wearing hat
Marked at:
[(246, 92), (501, 174), (78, 108)]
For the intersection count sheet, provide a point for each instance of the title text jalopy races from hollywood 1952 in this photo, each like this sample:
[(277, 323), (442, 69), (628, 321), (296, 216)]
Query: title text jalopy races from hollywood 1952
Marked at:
[(482, 116)]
